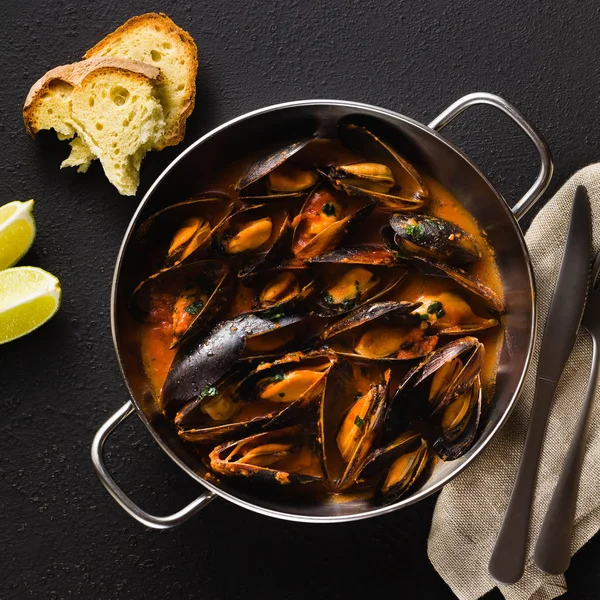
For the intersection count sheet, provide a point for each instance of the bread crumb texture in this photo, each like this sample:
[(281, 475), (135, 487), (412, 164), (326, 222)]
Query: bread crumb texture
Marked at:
[(132, 94)]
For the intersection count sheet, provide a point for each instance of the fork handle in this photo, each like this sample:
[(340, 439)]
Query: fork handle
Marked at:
[(553, 548)]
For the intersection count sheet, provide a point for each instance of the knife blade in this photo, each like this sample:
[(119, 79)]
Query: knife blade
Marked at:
[(564, 317)]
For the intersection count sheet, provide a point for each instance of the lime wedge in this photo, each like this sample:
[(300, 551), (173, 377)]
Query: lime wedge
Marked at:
[(28, 298), (17, 231)]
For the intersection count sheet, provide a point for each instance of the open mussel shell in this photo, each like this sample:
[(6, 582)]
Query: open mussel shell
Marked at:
[(283, 456), (279, 290), (365, 254), (350, 426), (274, 394), (351, 286), (271, 177), (383, 331), (459, 423), (324, 220), (274, 252), (385, 178), (449, 314), (201, 362), (194, 291), (433, 237), (255, 237), (182, 232), (467, 281), (400, 465)]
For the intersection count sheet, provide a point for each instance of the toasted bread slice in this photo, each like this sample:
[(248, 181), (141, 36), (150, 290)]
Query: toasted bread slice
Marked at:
[(111, 105), (153, 38)]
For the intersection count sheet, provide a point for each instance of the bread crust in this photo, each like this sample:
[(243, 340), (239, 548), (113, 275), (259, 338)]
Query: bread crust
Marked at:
[(75, 73), (164, 23)]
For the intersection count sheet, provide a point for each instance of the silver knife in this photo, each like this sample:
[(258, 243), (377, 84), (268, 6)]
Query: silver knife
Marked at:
[(508, 558)]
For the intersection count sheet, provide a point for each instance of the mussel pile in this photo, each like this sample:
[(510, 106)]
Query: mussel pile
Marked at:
[(319, 323)]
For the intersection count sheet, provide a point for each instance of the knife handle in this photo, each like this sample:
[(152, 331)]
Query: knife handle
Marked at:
[(553, 548), (508, 558)]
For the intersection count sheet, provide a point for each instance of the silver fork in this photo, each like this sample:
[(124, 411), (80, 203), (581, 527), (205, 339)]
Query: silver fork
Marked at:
[(553, 548)]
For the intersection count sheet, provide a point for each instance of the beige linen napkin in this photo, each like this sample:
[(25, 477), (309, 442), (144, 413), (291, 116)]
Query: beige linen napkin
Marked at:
[(470, 509)]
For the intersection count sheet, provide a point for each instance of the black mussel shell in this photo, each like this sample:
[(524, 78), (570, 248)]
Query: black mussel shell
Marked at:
[(382, 331), (231, 408), (268, 163), (200, 363), (407, 192), (196, 291), (283, 456), (352, 286), (399, 466), (278, 290), (154, 238), (435, 238), (324, 220), (350, 427), (468, 282), (366, 254)]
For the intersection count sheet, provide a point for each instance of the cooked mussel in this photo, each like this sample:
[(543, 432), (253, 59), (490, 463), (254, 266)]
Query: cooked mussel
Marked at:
[(449, 380), (273, 393), (278, 290), (274, 177), (381, 331), (352, 286), (357, 431), (391, 182), (467, 281), (324, 220), (365, 254), (182, 232), (399, 466), (201, 362), (435, 238), (449, 314), (284, 456), (190, 295)]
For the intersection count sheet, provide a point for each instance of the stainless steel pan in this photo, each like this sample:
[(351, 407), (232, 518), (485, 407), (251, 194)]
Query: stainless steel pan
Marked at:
[(429, 151)]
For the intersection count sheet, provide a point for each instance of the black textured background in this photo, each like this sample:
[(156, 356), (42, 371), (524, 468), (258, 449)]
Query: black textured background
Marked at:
[(61, 535)]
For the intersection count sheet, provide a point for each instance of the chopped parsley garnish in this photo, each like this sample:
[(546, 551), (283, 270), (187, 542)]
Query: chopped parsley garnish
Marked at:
[(275, 313), (328, 209), (195, 307), (278, 377), (424, 316), (414, 231), (359, 421), (440, 313), (349, 304), (328, 298), (398, 256), (434, 307), (208, 392)]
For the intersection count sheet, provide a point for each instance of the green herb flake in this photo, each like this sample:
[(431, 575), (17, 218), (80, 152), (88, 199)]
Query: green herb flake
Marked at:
[(440, 313), (414, 231), (209, 391), (275, 313), (359, 422), (328, 298), (328, 209), (424, 316), (434, 307), (195, 307), (278, 377)]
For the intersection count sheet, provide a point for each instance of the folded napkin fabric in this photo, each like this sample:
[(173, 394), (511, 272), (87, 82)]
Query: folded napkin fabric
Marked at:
[(470, 509)]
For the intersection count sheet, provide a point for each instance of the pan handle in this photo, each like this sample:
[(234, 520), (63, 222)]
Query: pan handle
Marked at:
[(534, 193), (119, 495)]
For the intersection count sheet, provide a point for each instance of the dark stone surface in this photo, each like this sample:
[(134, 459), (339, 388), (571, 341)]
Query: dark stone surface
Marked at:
[(61, 535)]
